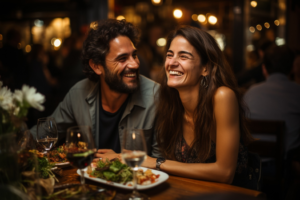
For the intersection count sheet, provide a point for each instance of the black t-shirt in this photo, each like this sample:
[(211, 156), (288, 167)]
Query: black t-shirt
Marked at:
[(109, 128)]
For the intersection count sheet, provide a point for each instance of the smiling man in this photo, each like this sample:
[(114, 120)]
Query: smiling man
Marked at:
[(115, 96)]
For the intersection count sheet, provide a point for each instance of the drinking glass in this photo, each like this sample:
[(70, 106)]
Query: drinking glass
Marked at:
[(80, 148), (46, 134), (134, 152)]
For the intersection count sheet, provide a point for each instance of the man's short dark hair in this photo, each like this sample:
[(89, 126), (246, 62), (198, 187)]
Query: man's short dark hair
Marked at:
[(96, 45), (279, 59)]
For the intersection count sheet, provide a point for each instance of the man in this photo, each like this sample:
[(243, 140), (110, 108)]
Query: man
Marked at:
[(277, 98), (115, 96), (255, 74)]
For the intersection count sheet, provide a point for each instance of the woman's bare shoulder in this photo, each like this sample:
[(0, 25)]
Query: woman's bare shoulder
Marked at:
[(224, 93)]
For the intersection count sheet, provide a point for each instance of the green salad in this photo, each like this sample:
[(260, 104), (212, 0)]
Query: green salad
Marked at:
[(112, 171)]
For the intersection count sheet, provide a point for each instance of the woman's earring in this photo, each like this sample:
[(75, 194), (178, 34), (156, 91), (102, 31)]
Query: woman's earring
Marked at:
[(204, 82)]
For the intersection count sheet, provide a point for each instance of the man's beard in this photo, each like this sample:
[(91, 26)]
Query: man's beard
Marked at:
[(116, 83)]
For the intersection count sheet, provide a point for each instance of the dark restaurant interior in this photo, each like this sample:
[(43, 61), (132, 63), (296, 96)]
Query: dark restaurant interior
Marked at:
[(41, 43)]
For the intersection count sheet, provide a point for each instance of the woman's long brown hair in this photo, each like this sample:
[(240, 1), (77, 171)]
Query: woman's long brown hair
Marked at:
[(170, 110)]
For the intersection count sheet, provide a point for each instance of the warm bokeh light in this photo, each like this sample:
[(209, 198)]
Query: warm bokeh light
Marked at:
[(212, 19), (259, 27), (276, 22), (27, 48), (156, 2), (282, 20), (177, 13), (251, 29), (1, 37), (57, 23), (201, 18), (120, 17), (267, 25), (94, 25), (161, 42), (57, 42), (253, 4), (194, 17)]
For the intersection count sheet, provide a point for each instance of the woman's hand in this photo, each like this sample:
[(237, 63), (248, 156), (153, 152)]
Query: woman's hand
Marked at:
[(149, 162)]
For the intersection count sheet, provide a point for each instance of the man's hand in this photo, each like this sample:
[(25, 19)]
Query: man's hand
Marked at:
[(106, 154)]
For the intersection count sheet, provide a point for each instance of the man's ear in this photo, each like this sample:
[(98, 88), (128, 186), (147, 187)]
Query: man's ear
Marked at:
[(98, 69), (265, 71)]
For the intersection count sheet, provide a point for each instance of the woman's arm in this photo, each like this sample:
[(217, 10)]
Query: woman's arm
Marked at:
[(227, 144)]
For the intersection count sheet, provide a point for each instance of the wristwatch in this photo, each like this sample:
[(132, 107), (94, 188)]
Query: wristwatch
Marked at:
[(159, 161)]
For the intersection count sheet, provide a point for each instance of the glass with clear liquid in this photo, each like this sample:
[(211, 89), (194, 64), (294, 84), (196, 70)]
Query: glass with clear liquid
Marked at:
[(134, 152), (46, 134)]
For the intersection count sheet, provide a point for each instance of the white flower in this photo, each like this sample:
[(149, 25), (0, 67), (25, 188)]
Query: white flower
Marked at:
[(6, 99), (18, 95), (33, 98)]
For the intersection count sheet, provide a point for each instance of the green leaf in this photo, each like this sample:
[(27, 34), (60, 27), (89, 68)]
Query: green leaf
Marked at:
[(111, 176)]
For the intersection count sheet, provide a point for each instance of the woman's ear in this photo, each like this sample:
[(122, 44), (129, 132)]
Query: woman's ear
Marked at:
[(97, 68), (204, 71)]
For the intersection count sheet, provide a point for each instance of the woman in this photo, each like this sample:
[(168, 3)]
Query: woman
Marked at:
[(200, 119)]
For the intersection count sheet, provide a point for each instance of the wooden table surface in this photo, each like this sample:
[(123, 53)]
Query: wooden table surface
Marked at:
[(174, 188)]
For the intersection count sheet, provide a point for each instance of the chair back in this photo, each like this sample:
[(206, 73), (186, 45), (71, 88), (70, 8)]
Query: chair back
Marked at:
[(268, 148)]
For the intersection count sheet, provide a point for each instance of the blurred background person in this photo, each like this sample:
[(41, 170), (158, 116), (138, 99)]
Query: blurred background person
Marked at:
[(277, 98), (255, 75)]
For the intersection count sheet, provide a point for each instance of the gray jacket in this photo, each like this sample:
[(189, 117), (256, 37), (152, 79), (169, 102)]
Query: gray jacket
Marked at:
[(81, 107), (277, 99)]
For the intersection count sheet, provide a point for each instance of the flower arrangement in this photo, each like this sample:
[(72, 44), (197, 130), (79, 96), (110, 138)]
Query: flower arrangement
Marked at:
[(19, 167), (14, 106)]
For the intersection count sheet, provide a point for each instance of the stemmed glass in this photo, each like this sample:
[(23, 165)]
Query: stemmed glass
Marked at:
[(80, 148), (46, 134), (134, 152)]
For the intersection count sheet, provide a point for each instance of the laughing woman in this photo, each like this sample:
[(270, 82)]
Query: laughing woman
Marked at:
[(200, 119)]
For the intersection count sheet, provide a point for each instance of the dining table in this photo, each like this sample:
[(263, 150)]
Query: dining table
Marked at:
[(173, 188)]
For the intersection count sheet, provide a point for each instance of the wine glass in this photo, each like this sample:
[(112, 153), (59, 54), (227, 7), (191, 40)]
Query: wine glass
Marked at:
[(80, 148), (46, 134), (134, 152)]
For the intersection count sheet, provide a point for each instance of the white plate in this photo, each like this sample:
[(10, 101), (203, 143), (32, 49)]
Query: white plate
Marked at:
[(162, 178)]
